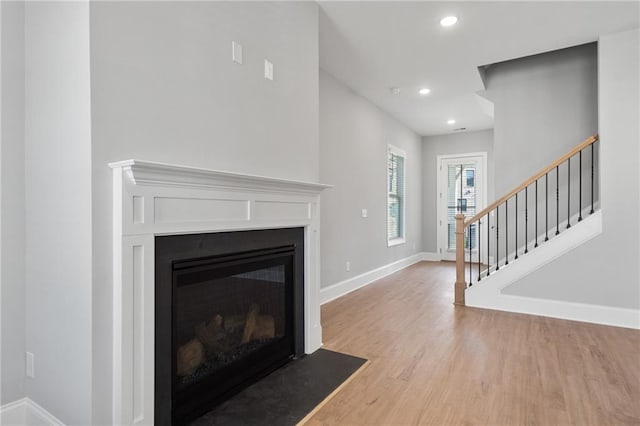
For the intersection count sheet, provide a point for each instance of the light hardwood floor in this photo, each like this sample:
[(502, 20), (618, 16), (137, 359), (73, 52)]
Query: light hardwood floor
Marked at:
[(433, 363)]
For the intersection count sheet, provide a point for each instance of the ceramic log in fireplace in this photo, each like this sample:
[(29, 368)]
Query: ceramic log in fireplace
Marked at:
[(229, 310)]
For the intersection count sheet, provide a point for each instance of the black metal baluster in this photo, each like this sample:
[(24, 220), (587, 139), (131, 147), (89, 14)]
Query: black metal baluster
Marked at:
[(592, 179), (526, 219), (506, 232), (470, 258), (488, 245), (557, 200), (569, 193), (546, 212), (497, 240), (516, 226), (536, 234), (460, 199), (479, 257), (580, 196)]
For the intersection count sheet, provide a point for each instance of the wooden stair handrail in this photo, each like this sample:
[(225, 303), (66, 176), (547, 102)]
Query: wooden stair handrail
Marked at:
[(532, 179)]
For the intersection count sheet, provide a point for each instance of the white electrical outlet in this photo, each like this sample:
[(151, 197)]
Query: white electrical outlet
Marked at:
[(347, 266), (236, 52), (268, 70), (365, 213), (30, 365)]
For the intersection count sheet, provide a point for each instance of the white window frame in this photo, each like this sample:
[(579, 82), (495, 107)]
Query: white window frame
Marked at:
[(401, 153)]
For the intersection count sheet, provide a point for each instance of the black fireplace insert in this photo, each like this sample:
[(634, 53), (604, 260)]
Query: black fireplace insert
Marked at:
[(229, 310)]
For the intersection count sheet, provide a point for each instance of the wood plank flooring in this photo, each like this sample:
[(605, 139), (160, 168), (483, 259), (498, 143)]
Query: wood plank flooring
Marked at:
[(433, 363)]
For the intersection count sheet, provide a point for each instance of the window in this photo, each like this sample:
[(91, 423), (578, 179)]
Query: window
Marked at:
[(395, 196)]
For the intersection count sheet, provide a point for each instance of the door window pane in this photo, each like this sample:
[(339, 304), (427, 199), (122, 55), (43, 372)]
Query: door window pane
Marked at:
[(461, 198)]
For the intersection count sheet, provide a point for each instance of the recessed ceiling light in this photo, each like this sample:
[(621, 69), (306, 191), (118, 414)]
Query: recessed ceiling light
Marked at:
[(452, 121), (424, 91), (448, 21), (395, 90)]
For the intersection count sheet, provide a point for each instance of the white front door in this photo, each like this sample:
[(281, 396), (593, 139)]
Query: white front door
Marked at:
[(461, 189)]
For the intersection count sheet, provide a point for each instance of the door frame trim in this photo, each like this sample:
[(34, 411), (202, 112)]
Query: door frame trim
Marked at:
[(482, 201)]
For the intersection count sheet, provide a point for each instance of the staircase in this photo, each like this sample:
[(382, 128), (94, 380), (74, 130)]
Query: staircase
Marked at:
[(550, 213)]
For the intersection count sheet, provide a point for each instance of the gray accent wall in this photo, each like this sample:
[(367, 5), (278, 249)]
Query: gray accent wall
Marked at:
[(353, 156), (432, 147), (164, 88), (544, 105), (12, 204), (58, 207), (604, 271)]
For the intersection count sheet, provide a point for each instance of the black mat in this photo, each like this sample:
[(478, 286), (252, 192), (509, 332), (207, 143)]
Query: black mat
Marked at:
[(288, 394)]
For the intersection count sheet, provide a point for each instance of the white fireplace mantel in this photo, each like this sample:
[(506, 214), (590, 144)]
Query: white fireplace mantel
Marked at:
[(151, 199)]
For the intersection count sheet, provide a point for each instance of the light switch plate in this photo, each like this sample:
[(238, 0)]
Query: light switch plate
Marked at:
[(236, 52), (268, 70), (365, 213), (30, 365)]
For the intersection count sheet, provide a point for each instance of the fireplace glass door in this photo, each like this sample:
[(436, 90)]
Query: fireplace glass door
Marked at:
[(232, 319)]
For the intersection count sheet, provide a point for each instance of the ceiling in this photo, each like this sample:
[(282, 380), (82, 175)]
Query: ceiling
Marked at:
[(373, 46)]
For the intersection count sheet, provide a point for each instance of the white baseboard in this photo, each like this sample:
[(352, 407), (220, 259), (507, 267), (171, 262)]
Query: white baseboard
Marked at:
[(430, 257), (25, 412), (327, 294), (14, 413), (597, 314)]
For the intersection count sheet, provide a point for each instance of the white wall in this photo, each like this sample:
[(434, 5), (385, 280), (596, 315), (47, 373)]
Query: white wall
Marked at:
[(58, 207), (353, 155), (604, 271), (455, 143), (12, 203), (164, 88)]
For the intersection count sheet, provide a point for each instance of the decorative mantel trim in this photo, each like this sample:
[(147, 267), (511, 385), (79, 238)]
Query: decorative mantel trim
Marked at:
[(151, 199), (152, 173)]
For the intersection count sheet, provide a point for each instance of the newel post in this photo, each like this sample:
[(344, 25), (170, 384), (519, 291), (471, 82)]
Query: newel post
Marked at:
[(461, 284)]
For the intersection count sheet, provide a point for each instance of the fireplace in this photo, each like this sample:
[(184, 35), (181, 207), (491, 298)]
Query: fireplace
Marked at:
[(197, 211), (229, 310)]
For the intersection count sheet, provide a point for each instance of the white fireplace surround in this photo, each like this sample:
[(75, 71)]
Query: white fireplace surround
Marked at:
[(152, 199)]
